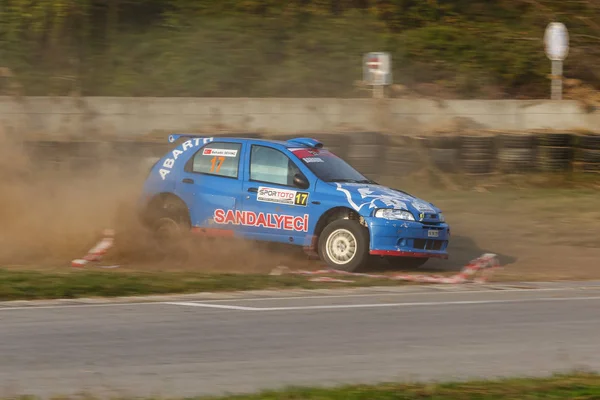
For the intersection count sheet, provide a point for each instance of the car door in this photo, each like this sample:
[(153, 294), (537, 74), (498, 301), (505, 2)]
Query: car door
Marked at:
[(211, 182), (274, 209)]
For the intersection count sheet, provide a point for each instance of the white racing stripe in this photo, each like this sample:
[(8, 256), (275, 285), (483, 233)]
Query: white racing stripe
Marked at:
[(379, 305)]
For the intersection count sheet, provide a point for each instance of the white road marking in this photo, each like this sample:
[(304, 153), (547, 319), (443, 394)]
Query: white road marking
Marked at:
[(341, 296), (299, 297), (375, 305), (191, 304)]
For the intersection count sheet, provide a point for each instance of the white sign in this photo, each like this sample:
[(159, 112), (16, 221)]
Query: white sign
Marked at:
[(377, 68), (556, 40), (219, 152)]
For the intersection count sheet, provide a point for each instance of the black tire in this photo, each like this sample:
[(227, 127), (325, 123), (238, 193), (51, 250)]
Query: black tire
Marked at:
[(591, 141), (406, 262), (360, 234), (170, 225), (554, 165), (590, 156), (516, 141), (477, 167), (443, 142), (552, 139), (445, 159), (591, 168), (399, 140), (554, 153), (477, 143)]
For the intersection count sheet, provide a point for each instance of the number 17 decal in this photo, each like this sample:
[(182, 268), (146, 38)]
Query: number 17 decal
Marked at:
[(213, 163), (301, 198)]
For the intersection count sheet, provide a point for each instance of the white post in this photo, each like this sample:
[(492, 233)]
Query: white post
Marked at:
[(557, 80)]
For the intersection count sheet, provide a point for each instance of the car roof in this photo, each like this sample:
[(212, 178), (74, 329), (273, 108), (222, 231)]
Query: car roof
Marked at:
[(290, 143)]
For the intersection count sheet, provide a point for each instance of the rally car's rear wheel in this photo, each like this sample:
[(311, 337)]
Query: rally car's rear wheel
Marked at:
[(171, 226), (344, 245)]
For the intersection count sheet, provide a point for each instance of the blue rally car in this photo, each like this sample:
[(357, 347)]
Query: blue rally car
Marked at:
[(294, 192)]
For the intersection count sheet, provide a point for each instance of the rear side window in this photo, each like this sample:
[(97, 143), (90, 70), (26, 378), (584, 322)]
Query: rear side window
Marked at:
[(221, 159)]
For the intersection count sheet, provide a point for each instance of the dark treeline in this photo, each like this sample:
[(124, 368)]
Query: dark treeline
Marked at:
[(289, 48)]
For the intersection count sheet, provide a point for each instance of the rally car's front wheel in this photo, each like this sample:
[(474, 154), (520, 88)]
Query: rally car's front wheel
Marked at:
[(344, 245)]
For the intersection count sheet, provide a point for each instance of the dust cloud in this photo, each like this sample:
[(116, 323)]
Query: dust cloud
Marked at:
[(52, 212)]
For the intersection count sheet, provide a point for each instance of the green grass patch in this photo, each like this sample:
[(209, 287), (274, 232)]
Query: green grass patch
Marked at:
[(32, 285), (580, 386), (576, 386)]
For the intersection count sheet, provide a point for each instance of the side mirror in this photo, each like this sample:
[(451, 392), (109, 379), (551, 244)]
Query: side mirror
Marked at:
[(301, 181)]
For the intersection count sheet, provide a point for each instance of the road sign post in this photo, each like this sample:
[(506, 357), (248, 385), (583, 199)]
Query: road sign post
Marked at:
[(377, 72), (556, 40)]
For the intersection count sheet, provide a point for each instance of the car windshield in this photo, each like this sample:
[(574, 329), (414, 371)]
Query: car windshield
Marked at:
[(329, 167)]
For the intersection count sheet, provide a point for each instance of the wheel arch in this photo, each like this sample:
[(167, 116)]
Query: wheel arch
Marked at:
[(333, 214), (160, 202)]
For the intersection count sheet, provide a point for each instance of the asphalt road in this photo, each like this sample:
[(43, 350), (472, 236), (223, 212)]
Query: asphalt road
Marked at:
[(187, 348)]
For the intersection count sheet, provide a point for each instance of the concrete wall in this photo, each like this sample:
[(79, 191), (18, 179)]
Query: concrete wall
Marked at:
[(60, 116)]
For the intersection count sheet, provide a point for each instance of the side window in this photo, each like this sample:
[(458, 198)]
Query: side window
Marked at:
[(221, 159), (271, 166)]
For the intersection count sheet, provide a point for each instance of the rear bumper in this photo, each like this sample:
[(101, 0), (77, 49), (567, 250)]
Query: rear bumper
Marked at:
[(408, 238)]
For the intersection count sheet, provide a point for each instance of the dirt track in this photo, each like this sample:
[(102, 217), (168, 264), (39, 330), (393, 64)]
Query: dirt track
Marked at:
[(49, 217)]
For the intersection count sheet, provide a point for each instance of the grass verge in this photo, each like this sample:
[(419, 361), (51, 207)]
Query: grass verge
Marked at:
[(572, 386), (580, 386), (32, 285)]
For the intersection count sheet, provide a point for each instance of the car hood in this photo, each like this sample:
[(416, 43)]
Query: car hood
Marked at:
[(364, 198)]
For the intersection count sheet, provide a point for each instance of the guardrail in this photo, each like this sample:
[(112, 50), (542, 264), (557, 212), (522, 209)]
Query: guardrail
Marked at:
[(376, 154)]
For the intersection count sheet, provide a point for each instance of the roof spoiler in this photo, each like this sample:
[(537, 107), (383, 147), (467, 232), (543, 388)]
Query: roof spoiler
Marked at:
[(175, 137), (308, 142)]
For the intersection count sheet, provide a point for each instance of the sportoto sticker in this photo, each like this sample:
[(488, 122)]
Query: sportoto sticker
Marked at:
[(282, 196), (220, 152)]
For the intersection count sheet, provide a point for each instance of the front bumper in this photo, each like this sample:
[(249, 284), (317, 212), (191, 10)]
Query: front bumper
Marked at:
[(408, 238)]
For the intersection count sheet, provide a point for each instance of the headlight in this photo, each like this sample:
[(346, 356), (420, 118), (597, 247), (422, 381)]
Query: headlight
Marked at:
[(441, 217), (394, 214)]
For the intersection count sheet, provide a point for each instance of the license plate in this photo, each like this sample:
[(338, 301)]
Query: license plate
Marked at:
[(433, 233)]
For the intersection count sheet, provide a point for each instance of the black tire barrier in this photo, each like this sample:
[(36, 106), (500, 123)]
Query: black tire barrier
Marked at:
[(554, 153), (364, 152), (591, 168), (589, 141), (554, 139), (371, 152), (553, 165), (400, 154), (516, 141), (477, 144), (590, 156), (442, 142), (400, 168), (478, 167), (515, 159), (364, 138), (366, 166), (444, 159)]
